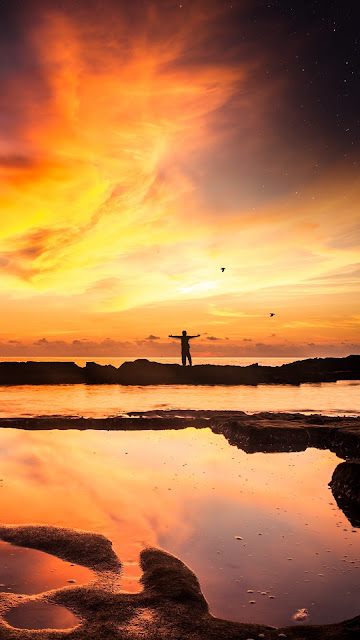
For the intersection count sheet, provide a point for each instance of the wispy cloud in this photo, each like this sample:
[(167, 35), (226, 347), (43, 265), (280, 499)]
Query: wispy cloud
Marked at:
[(227, 313), (138, 160)]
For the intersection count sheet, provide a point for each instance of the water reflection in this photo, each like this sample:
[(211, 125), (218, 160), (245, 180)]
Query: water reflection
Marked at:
[(339, 398), (29, 571), (259, 527), (40, 615)]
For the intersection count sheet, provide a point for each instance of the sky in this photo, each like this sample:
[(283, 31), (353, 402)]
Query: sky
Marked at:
[(146, 145)]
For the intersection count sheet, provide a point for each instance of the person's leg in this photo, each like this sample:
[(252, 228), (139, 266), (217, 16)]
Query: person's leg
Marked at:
[(183, 358), (189, 358)]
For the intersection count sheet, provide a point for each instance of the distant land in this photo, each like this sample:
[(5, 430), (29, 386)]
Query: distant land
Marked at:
[(145, 372)]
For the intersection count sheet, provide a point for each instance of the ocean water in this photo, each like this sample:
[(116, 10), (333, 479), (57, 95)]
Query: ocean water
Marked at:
[(340, 398), (117, 361)]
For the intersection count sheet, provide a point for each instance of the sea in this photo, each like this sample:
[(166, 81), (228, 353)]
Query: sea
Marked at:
[(339, 398)]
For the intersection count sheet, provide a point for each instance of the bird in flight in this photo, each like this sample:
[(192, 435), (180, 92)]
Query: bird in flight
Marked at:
[(271, 315), (222, 269)]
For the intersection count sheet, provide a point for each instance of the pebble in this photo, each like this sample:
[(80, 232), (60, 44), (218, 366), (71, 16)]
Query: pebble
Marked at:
[(238, 538), (72, 581), (301, 614)]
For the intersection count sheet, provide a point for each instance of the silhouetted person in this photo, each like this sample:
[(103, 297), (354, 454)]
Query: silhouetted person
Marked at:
[(185, 347)]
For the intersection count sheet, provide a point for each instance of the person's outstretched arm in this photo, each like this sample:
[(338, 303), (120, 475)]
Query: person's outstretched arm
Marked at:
[(198, 336), (171, 336)]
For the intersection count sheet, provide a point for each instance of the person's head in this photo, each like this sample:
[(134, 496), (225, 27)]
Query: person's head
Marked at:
[(184, 333)]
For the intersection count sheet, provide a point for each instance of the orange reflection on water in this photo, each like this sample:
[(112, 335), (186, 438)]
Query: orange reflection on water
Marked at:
[(41, 615), (91, 400), (192, 494), (29, 571)]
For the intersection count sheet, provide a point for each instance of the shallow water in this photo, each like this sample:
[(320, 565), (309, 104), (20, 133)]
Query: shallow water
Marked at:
[(340, 398), (251, 526), (29, 571), (41, 615)]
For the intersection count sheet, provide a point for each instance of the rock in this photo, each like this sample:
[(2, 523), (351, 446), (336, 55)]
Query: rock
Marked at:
[(300, 615), (345, 486), (14, 373), (145, 372)]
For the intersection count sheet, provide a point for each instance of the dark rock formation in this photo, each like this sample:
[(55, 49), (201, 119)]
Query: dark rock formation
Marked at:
[(345, 486), (14, 373), (170, 606), (252, 436), (313, 370), (144, 372), (100, 374), (88, 549)]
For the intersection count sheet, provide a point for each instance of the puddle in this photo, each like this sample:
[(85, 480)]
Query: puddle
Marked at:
[(130, 577), (29, 571), (261, 531), (40, 615)]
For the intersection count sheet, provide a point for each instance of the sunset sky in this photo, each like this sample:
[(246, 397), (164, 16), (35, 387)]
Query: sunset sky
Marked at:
[(146, 144)]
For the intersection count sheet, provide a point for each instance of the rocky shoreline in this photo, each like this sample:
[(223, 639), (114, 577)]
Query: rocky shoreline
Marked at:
[(145, 372), (266, 432)]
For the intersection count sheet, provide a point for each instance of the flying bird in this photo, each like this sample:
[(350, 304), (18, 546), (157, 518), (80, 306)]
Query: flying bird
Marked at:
[(222, 269), (271, 315)]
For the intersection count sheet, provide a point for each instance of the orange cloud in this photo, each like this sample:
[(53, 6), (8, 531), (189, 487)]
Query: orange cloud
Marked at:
[(135, 169)]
